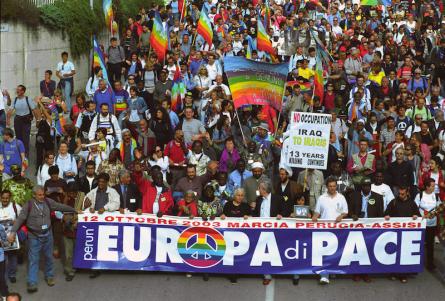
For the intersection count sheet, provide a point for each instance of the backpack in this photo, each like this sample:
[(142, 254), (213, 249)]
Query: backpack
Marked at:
[(30, 116), (109, 119), (85, 124), (119, 49)]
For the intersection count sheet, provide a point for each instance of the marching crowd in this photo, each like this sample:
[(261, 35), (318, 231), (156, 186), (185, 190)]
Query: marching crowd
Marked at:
[(125, 145)]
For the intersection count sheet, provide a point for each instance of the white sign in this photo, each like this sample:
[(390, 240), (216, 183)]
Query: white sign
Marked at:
[(308, 142)]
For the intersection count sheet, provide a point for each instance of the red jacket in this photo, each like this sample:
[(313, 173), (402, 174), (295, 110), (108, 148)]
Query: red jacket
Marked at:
[(149, 192)]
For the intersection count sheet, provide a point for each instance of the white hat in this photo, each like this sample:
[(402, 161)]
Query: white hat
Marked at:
[(362, 121), (264, 126), (287, 169), (257, 165)]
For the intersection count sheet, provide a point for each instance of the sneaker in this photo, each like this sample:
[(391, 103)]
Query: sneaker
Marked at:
[(324, 280), (295, 281), (32, 288), (50, 281), (188, 275), (69, 277)]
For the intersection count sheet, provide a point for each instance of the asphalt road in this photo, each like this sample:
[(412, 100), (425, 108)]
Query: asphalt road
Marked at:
[(135, 286)]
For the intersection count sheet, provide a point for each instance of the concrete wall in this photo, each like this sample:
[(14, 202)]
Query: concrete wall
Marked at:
[(26, 53)]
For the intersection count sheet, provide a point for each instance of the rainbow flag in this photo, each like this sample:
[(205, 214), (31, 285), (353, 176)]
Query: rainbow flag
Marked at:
[(178, 90), (370, 2), (205, 27), (304, 86), (318, 79), (107, 6), (263, 41), (98, 59), (158, 38), (255, 83)]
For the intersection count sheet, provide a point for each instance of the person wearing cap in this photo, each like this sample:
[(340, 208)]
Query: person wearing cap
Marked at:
[(251, 184), (288, 189), (364, 203), (356, 132)]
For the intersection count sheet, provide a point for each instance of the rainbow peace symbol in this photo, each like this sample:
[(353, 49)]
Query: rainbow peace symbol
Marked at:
[(201, 247)]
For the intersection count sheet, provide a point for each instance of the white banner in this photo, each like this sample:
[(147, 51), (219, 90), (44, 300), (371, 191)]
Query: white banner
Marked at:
[(308, 142)]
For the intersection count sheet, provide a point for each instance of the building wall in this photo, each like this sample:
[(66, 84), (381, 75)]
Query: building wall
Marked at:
[(25, 54)]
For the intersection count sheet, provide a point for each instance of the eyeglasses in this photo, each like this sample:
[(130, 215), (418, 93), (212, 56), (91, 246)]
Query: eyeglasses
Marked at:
[(159, 150)]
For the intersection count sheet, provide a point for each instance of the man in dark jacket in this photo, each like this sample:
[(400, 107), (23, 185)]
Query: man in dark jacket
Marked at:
[(89, 181), (402, 206), (288, 190), (399, 173), (267, 205), (130, 196), (364, 203)]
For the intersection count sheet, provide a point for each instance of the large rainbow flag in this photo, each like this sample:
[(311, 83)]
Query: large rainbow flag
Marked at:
[(262, 40), (178, 90), (158, 38), (205, 27), (255, 83)]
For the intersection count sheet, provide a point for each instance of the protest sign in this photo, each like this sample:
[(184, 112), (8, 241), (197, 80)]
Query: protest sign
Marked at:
[(255, 246), (308, 142)]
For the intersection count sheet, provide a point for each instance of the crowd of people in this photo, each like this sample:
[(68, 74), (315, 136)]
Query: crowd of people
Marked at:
[(124, 145)]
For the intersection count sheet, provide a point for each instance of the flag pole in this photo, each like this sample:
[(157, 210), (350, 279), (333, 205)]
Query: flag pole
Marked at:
[(241, 128), (184, 4)]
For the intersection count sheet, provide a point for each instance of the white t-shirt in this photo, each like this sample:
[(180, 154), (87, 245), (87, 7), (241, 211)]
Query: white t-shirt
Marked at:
[(65, 68), (426, 204), (330, 207), (385, 191), (8, 211)]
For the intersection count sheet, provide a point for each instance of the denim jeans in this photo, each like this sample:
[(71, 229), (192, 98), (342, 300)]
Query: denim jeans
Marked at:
[(67, 94), (11, 265), (35, 246), (22, 128)]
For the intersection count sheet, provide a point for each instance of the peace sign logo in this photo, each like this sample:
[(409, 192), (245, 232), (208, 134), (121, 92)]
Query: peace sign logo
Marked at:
[(201, 247)]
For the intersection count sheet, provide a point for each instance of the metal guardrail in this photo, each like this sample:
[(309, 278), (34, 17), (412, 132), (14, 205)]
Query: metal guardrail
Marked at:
[(39, 3)]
